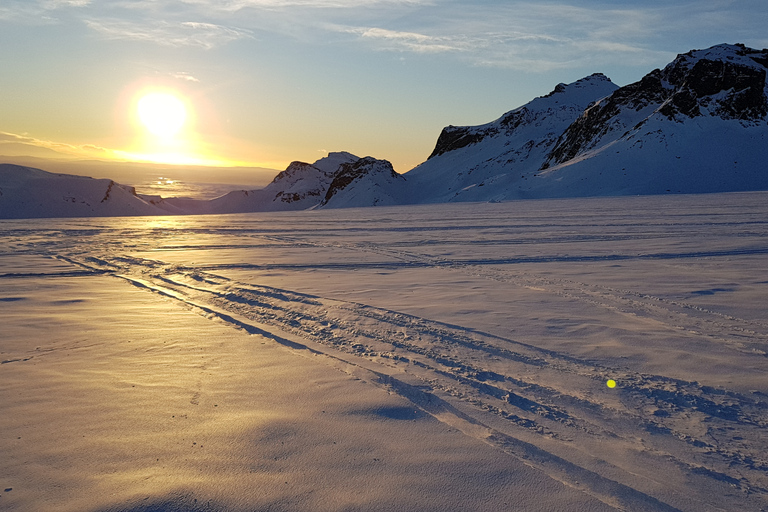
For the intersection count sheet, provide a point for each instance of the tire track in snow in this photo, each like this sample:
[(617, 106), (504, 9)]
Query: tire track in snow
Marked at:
[(521, 395), (729, 330)]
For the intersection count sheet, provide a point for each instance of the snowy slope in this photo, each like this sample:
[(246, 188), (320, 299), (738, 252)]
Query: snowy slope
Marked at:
[(506, 152), (26, 193)]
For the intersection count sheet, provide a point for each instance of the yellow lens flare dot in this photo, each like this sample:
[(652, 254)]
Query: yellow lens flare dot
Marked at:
[(611, 383)]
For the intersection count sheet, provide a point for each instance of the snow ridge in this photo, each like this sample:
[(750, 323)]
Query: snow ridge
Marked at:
[(466, 158)]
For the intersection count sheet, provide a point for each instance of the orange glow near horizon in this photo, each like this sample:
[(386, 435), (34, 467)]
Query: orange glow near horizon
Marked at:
[(160, 124)]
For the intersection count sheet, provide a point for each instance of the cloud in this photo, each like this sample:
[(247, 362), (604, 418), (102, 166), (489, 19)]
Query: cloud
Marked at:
[(524, 36), (409, 41), (236, 5), (181, 75), (189, 33), (83, 150), (55, 4)]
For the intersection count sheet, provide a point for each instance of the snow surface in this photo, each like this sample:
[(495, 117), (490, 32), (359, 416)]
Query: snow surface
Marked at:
[(440, 357)]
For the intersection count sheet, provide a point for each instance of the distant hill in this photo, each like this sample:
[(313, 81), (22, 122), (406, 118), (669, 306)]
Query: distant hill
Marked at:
[(28, 193)]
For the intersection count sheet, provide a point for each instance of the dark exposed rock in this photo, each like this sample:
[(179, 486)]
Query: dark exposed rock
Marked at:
[(292, 197), (456, 137)]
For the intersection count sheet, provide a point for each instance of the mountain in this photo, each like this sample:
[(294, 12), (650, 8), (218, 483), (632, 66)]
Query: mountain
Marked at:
[(365, 182), (304, 185), (503, 154), (698, 125), (26, 193), (340, 180)]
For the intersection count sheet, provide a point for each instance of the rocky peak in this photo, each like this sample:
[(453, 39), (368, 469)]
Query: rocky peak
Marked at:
[(566, 98), (726, 81), (367, 167), (295, 170)]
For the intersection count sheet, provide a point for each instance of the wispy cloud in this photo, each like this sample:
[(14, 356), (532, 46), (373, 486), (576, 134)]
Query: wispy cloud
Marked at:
[(235, 5), (181, 75), (55, 4), (82, 150), (409, 41), (522, 35), (189, 33)]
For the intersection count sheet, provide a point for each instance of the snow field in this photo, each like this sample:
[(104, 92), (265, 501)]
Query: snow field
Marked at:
[(502, 322)]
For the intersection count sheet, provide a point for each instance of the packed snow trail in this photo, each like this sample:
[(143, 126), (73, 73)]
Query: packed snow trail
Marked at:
[(478, 373)]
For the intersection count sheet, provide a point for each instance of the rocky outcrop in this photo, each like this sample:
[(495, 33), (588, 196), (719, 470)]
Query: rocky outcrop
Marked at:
[(457, 137), (562, 97), (366, 182), (300, 181), (725, 81)]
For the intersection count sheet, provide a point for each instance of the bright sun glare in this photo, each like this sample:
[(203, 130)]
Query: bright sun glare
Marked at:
[(163, 114)]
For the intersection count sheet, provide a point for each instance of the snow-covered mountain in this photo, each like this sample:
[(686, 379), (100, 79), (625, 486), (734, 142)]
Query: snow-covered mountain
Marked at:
[(365, 182), (339, 180), (504, 154), (698, 125), (26, 193)]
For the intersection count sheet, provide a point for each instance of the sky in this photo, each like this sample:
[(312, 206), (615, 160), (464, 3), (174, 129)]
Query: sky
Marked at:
[(266, 82)]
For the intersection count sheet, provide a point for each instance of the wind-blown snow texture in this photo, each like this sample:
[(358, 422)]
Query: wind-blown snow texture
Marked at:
[(502, 321)]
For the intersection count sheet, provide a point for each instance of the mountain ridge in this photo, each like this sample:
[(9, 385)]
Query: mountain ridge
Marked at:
[(698, 125)]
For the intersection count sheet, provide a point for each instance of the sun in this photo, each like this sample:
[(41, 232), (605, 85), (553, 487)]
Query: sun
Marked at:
[(163, 114)]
